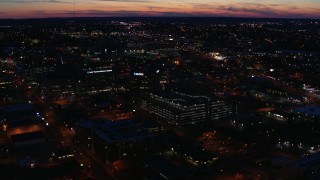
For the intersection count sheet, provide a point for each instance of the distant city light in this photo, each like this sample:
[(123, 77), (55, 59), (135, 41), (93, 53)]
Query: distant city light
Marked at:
[(99, 71)]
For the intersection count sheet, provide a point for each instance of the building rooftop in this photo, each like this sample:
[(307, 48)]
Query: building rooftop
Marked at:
[(184, 99), (309, 110), (196, 153), (163, 167), (18, 107), (24, 122), (114, 131), (27, 136)]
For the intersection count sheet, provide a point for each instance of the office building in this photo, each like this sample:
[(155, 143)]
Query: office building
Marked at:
[(182, 109)]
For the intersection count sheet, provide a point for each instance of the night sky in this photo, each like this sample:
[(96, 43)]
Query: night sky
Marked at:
[(178, 8)]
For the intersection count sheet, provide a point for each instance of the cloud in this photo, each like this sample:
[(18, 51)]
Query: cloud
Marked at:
[(259, 9), (134, 1), (128, 13), (160, 8), (120, 13), (265, 11), (145, 8), (33, 1)]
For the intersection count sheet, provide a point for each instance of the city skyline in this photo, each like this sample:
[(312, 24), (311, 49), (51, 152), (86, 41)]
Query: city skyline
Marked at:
[(159, 98), (19, 9)]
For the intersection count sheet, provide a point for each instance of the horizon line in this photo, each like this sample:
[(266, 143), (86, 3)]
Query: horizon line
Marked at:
[(234, 17)]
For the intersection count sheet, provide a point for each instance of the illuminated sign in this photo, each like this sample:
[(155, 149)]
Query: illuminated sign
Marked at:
[(99, 71), (138, 74)]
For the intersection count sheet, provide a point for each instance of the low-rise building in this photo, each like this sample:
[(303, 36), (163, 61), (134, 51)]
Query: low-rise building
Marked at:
[(182, 109)]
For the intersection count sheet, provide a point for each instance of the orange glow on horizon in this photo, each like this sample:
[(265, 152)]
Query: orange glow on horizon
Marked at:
[(95, 8)]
